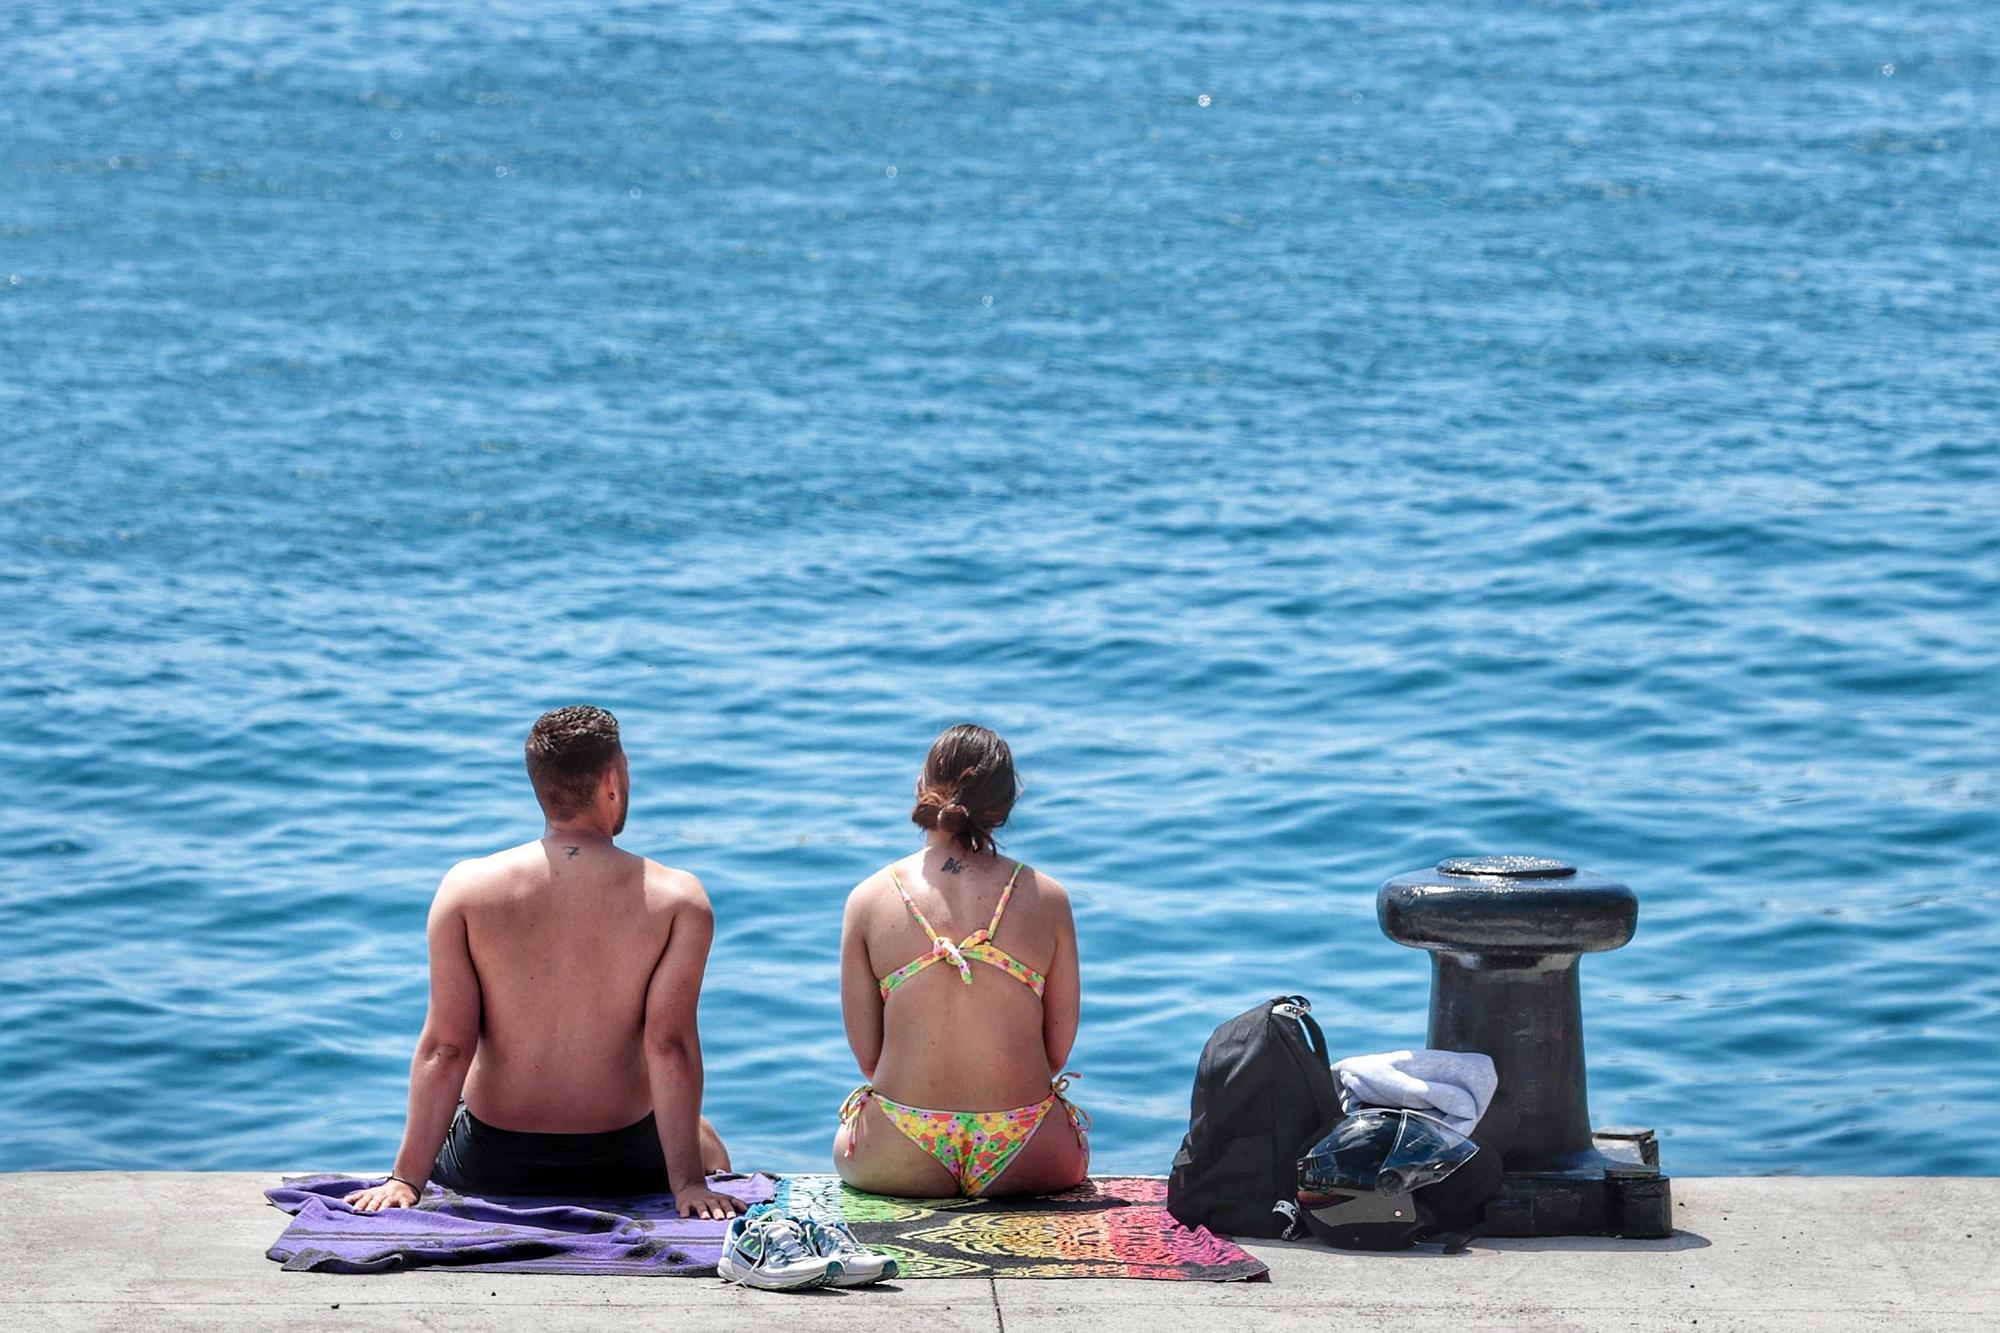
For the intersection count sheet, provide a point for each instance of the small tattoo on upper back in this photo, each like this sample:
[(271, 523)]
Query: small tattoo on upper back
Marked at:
[(952, 865), (572, 852)]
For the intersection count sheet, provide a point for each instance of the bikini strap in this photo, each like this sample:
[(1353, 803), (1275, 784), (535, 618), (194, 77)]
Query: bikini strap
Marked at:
[(940, 946), (1079, 1118), (850, 1112), (911, 903), (1005, 894)]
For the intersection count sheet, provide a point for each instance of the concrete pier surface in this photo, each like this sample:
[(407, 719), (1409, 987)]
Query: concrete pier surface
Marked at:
[(111, 1250)]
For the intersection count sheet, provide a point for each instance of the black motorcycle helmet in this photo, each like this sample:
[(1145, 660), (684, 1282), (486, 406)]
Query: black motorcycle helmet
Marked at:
[(1369, 1181)]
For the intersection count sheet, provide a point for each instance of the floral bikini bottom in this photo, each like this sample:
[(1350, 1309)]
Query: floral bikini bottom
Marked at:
[(975, 1146)]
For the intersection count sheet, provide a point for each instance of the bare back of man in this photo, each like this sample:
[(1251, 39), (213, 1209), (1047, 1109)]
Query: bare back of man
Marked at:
[(565, 975), (565, 937)]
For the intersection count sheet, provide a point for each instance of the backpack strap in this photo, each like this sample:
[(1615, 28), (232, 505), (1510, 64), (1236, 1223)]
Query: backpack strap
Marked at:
[(1301, 1012), (1300, 1034)]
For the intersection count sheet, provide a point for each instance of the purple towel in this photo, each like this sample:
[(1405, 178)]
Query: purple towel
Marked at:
[(640, 1236)]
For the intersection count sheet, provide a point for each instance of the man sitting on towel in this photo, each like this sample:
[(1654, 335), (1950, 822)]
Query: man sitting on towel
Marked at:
[(564, 975)]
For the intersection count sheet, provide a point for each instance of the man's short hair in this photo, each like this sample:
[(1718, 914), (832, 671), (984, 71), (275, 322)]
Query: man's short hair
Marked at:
[(568, 751)]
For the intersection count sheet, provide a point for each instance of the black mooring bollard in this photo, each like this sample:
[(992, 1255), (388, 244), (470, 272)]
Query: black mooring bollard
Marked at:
[(1505, 934)]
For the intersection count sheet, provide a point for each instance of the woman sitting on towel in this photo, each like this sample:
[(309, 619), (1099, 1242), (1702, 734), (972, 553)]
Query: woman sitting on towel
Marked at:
[(958, 979)]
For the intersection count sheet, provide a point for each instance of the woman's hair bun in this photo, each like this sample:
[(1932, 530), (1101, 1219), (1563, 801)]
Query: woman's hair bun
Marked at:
[(969, 768)]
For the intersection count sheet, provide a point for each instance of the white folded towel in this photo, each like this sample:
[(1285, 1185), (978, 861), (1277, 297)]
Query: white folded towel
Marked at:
[(1455, 1085)]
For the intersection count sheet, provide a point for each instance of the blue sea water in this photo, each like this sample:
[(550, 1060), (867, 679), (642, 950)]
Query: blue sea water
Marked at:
[(1324, 437)]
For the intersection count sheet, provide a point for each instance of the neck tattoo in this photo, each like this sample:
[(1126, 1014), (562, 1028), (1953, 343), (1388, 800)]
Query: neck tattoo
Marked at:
[(952, 865), (572, 852)]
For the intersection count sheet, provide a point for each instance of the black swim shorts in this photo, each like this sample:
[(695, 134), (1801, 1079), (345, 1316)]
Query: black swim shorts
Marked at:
[(478, 1158)]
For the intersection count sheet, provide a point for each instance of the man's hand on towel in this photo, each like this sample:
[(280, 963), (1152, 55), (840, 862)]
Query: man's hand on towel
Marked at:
[(388, 1194), (701, 1201)]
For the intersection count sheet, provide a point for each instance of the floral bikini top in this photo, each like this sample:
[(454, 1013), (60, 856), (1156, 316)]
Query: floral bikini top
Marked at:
[(978, 946)]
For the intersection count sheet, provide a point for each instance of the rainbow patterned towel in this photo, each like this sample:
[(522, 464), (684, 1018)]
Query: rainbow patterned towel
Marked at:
[(1109, 1226)]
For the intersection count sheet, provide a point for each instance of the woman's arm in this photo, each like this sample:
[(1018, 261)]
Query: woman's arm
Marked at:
[(443, 1056), (1062, 996), (860, 992)]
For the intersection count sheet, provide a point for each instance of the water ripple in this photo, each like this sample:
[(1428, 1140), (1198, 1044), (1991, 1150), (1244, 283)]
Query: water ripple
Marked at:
[(1469, 431)]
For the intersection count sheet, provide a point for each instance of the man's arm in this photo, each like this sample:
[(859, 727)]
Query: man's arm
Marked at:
[(673, 1055), (443, 1055)]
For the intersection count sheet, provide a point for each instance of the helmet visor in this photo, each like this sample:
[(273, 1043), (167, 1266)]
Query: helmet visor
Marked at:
[(1385, 1152)]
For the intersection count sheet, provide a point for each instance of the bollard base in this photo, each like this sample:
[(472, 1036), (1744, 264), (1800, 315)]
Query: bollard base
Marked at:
[(1615, 1189)]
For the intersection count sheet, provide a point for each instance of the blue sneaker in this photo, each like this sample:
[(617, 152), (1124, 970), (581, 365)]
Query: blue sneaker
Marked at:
[(859, 1264), (767, 1250)]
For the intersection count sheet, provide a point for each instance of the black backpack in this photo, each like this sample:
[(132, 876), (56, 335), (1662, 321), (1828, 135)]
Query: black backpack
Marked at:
[(1261, 1093)]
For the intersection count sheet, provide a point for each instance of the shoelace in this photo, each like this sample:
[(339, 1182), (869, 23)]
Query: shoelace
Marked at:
[(782, 1240), (838, 1240)]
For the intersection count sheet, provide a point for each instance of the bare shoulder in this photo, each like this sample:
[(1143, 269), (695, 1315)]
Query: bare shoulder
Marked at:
[(1045, 886), (870, 890), (479, 877), (671, 890)]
